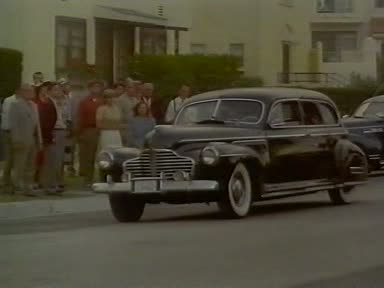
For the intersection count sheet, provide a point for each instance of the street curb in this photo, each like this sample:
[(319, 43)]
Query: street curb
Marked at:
[(46, 208)]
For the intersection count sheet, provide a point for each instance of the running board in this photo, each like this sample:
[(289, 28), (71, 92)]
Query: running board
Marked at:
[(297, 185), (272, 191)]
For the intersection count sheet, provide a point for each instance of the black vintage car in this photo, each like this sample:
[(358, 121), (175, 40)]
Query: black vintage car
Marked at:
[(235, 147), (366, 129)]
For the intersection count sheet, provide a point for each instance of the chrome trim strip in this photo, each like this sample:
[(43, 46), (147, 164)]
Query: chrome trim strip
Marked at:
[(327, 134), (286, 136), (232, 155), (250, 142), (365, 127), (352, 183), (373, 131), (186, 141), (241, 140)]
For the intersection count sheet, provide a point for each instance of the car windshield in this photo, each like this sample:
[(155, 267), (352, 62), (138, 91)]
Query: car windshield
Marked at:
[(370, 109), (238, 111), (196, 113)]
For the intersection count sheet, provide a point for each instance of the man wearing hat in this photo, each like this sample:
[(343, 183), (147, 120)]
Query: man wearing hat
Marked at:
[(87, 131)]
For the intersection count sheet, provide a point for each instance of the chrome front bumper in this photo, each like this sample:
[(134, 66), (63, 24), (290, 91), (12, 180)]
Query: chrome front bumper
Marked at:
[(156, 186)]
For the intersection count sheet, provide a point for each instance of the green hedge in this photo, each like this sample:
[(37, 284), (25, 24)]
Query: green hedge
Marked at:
[(347, 99), (202, 72), (10, 71)]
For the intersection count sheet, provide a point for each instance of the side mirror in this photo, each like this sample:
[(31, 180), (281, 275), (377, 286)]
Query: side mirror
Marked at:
[(346, 116)]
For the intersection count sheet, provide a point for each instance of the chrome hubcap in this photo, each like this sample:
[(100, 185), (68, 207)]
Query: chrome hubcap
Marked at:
[(238, 190)]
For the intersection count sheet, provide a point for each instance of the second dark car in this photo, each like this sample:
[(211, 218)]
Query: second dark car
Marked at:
[(235, 147), (366, 130)]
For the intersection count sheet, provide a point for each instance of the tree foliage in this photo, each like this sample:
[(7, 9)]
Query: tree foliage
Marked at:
[(10, 71), (202, 73)]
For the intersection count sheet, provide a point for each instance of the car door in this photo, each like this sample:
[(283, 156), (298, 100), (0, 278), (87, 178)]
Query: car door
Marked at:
[(323, 132), (286, 137)]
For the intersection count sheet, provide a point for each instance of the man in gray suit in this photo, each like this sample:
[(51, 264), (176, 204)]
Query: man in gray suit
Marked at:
[(25, 135)]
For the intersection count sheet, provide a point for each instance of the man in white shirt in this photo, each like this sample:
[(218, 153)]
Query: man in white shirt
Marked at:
[(8, 165), (25, 134), (175, 105)]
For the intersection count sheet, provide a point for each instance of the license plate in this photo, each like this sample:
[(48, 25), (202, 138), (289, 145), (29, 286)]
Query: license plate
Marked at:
[(147, 186)]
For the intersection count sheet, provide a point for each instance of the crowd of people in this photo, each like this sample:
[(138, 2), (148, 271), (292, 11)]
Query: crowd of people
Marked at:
[(45, 125)]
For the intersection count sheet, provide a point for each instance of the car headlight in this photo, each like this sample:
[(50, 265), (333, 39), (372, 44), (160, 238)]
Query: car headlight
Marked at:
[(210, 156), (105, 160)]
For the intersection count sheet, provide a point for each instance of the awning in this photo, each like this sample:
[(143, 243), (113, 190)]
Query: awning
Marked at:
[(135, 17)]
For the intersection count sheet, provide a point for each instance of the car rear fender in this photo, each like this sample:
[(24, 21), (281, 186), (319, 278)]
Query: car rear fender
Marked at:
[(348, 154)]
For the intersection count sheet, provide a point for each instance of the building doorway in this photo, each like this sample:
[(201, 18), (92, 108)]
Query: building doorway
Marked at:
[(114, 48)]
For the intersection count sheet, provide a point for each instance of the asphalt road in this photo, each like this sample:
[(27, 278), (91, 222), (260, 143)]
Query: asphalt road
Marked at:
[(300, 242)]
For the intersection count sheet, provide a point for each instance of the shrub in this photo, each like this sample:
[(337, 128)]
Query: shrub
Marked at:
[(80, 72), (347, 99), (202, 73), (359, 81), (10, 71)]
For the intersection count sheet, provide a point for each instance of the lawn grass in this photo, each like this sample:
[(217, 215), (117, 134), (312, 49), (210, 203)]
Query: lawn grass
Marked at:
[(74, 187), (22, 198)]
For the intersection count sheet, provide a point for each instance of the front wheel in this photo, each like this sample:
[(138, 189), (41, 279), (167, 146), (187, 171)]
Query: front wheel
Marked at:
[(125, 208), (237, 198), (340, 196)]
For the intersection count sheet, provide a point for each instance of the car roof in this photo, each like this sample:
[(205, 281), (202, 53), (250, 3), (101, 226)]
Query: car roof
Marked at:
[(266, 95), (379, 98)]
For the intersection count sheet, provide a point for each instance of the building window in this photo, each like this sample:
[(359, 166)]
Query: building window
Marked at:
[(70, 41), (334, 6), (335, 44), (379, 3), (237, 50), (153, 41), (198, 48)]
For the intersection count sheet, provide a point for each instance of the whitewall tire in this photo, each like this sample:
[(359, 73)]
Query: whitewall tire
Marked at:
[(340, 196), (237, 199)]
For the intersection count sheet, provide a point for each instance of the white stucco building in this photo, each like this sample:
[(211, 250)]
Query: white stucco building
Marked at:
[(53, 34), (351, 33), (271, 36)]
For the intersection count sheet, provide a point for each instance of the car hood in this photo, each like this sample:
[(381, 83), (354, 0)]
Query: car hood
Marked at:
[(169, 137)]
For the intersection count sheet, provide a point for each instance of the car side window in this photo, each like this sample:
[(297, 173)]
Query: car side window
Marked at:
[(329, 114), (312, 115), (285, 114)]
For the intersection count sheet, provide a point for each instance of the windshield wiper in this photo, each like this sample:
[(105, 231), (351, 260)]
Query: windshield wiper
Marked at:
[(211, 121)]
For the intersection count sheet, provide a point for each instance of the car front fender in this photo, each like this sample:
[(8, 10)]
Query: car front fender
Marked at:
[(235, 153)]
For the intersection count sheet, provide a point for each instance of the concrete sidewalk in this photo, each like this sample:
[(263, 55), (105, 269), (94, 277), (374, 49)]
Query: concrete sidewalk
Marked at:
[(44, 208)]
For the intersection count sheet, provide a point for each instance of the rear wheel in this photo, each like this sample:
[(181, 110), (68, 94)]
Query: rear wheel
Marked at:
[(237, 198), (340, 196), (125, 208)]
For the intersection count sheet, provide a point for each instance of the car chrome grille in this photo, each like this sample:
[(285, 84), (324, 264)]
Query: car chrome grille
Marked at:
[(154, 163)]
